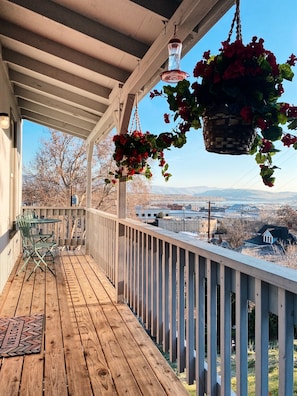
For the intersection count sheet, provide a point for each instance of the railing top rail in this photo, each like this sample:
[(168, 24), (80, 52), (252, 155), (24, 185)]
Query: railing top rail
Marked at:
[(272, 273), (102, 214), (53, 207)]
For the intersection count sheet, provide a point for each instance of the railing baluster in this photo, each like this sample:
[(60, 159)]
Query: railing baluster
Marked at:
[(190, 320), (147, 282), (200, 326), (139, 274), (154, 287), (211, 310), (128, 253), (159, 292), (173, 304), (225, 329), (181, 351), (286, 339), (261, 337), (165, 296), (135, 268), (241, 334)]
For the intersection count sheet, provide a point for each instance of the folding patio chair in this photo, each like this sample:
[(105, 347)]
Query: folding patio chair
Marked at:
[(29, 215), (34, 249)]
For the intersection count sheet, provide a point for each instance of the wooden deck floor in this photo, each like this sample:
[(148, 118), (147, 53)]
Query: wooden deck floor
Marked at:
[(91, 346)]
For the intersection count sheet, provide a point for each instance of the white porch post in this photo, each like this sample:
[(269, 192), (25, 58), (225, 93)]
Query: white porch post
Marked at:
[(90, 148), (122, 208)]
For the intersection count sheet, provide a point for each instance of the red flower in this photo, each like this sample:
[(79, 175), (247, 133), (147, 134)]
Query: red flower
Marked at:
[(266, 146), (200, 69), (289, 139), (167, 139), (292, 60), (166, 118), (292, 111), (206, 55), (154, 93), (284, 108), (280, 89), (261, 123), (184, 127), (118, 156), (247, 114), (268, 182), (235, 70)]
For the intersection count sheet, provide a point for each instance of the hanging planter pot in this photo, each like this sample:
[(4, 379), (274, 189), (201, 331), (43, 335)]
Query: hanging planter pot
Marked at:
[(226, 133), (135, 149), (235, 99)]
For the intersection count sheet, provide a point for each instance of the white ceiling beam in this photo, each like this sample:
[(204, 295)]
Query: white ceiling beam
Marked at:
[(85, 25), (53, 103), (54, 114), (48, 46), (14, 58), (54, 124), (55, 91)]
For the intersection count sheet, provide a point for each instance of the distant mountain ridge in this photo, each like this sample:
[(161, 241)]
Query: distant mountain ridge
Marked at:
[(288, 197)]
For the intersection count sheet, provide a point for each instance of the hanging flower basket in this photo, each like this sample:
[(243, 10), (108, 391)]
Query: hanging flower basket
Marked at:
[(135, 149), (226, 133), (235, 99)]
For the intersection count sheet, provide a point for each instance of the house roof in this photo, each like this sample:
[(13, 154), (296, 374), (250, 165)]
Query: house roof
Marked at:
[(280, 234), (72, 64), (242, 208)]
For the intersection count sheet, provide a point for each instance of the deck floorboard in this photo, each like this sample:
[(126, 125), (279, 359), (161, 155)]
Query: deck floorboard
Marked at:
[(91, 346)]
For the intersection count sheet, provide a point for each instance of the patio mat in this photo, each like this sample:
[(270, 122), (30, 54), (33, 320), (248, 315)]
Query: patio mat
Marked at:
[(21, 335)]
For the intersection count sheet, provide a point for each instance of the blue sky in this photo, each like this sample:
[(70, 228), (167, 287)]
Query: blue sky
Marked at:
[(275, 22)]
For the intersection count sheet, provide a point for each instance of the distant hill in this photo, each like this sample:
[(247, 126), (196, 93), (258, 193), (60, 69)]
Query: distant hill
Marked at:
[(255, 196)]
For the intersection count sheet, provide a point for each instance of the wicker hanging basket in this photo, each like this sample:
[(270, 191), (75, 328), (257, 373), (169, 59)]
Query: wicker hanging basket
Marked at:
[(223, 132), (226, 133)]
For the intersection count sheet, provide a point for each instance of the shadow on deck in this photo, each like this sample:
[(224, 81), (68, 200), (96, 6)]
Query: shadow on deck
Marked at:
[(91, 345)]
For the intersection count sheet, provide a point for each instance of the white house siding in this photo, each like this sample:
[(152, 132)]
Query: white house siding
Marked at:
[(189, 225), (10, 181)]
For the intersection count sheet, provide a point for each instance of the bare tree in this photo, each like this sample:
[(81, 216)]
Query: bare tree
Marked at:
[(59, 171), (138, 194), (287, 216), (238, 230)]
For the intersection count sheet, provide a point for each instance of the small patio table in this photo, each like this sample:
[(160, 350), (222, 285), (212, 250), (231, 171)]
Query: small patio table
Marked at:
[(43, 221), (36, 246), (40, 234)]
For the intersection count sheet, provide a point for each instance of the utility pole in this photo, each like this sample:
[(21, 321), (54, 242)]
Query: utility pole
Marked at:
[(208, 227), (208, 217)]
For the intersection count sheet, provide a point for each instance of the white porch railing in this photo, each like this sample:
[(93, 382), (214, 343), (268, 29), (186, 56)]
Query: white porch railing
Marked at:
[(195, 298), (70, 231)]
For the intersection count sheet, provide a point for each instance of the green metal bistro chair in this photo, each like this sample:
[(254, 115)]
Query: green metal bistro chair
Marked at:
[(33, 248), (29, 215)]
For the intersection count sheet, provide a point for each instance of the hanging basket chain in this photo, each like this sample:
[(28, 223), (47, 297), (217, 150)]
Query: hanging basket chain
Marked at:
[(236, 19), (135, 124)]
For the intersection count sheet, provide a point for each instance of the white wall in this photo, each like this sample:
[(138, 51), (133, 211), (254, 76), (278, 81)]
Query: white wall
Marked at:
[(190, 225), (10, 179)]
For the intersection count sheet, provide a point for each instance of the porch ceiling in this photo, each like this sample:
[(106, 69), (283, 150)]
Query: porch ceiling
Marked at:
[(72, 63)]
